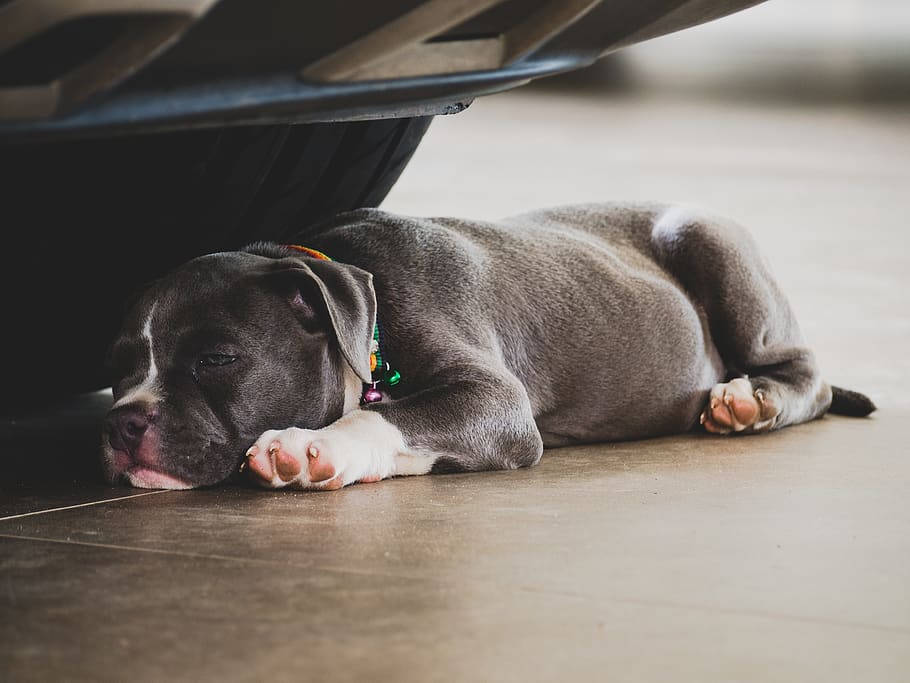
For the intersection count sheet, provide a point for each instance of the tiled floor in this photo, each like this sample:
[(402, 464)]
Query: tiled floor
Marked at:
[(777, 558), (784, 557)]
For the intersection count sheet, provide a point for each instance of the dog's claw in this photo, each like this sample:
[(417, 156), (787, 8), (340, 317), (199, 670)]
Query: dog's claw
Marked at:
[(251, 453), (313, 452), (702, 418), (728, 399), (274, 447)]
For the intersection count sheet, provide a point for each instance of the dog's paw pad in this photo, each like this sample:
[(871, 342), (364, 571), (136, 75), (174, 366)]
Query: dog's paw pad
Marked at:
[(735, 407), (295, 458), (311, 459), (286, 465), (319, 464), (259, 464)]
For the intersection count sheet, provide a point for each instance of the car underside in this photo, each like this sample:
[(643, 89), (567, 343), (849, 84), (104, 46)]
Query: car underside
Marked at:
[(135, 135)]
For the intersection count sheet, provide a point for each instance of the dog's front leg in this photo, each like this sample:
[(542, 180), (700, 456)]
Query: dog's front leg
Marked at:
[(468, 426), (360, 446)]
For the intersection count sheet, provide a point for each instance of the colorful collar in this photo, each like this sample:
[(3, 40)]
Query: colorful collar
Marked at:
[(380, 370)]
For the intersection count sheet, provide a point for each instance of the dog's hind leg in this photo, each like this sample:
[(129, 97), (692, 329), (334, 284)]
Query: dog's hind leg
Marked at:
[(774, 380)]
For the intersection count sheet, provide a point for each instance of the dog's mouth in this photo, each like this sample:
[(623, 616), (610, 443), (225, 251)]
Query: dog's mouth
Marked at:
[(142, 477), (139, 467)]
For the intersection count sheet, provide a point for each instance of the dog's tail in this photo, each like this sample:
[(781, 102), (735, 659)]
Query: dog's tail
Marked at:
[(852, 403)]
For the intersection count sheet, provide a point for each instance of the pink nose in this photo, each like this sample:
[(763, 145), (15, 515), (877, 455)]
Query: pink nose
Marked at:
[(126, 426)]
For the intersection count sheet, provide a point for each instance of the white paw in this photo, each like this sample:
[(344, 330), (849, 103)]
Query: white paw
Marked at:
[(301, 458), (343, 453), (734, 407)]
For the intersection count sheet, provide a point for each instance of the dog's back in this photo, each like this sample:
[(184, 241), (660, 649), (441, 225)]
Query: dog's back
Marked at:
[(570, 300)]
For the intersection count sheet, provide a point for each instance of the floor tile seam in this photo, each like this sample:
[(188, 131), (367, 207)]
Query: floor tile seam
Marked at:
[(153, 551), (511, 588), (743, 612), (225, 558), (81, 505)]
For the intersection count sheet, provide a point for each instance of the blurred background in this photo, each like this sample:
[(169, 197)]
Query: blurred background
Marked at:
[(792, 117), (784, 50), (781, 68)]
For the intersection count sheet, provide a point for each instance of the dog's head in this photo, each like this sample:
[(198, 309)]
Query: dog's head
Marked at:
[(226, 347)]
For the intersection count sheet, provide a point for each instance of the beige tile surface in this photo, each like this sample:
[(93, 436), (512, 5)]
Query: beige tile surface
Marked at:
[(771, 558)]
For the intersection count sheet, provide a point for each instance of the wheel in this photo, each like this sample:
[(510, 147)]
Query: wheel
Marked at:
[(88, 222)]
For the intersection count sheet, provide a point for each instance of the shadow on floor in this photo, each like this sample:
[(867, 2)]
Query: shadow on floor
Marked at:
[(53, 444)]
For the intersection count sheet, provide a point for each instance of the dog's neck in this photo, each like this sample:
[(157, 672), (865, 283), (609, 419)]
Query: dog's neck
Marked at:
[(353, 389)]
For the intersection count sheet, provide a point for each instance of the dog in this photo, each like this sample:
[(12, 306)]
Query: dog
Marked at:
[(391, 346)]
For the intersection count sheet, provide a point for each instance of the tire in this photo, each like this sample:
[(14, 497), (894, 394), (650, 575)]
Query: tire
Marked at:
[(88, 223)]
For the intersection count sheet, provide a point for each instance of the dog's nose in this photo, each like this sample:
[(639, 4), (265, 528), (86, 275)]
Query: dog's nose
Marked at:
[(127, 425)]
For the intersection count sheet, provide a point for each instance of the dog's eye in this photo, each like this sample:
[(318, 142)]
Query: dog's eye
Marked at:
[(215, 360)]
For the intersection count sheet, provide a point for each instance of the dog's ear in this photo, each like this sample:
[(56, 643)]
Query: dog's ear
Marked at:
[(350, 300)]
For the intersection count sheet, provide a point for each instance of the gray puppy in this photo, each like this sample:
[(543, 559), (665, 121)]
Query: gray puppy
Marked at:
[(572, 325)]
